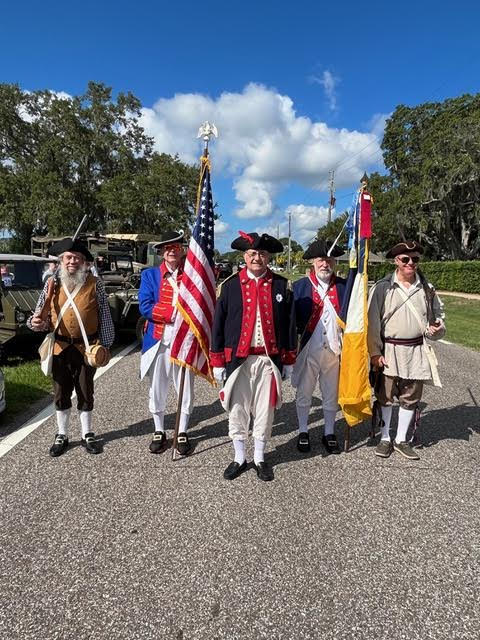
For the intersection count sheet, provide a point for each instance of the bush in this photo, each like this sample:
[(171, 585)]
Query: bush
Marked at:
[(463, 276)]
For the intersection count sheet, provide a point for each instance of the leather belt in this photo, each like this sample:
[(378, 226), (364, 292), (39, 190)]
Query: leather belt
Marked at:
[(70, 340), (405, 342)]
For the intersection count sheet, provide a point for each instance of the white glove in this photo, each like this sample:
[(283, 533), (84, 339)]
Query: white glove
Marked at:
[(287, 371), (219, 373)]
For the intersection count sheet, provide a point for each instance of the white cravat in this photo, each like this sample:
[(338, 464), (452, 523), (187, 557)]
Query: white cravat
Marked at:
[(327, 329)]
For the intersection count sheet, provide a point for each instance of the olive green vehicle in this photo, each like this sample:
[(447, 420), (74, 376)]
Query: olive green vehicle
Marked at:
[(22, 279), (119, 260)]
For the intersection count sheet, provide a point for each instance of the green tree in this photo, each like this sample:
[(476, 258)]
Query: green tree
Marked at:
[(62, 157), (331, 230), (432, 152), (294, 245)]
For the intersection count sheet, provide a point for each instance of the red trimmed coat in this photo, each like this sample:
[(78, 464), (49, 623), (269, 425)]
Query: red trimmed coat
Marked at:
[(235, 317)]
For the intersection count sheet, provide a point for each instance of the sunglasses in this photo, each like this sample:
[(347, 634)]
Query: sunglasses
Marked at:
[(406, 259)]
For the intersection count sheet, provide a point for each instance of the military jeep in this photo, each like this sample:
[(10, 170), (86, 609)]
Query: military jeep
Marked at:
[(22, 279), (121, 277)]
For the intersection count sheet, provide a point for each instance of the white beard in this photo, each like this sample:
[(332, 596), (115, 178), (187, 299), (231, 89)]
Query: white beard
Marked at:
[(72, 280), (324, 274)]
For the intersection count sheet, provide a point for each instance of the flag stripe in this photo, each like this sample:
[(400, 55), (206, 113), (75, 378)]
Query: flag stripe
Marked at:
[(196, 297)]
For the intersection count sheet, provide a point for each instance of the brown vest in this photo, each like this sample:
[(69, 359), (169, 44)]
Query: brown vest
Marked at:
[(86, 302)]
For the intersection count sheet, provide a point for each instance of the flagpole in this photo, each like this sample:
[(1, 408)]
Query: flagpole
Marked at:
[(206, 131)]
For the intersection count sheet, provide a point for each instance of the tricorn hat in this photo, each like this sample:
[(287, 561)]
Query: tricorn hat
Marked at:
[(169, 237), (252, 240), (404, 247), (320, 249), (68, 244)]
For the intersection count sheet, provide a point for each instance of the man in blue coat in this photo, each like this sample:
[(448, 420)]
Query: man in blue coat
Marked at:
[(318, 300), (157, 299)]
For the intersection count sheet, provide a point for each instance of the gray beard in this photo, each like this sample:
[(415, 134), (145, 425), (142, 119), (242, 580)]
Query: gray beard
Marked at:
[(324, 275), (72, 280)]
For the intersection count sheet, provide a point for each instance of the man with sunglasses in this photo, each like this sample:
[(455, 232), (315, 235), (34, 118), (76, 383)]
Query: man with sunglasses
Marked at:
[(253, 346), (157, 299), (403, 311)]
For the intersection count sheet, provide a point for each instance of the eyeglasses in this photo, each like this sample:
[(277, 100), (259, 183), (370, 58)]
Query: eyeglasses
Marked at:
[(406, 259), (257, 254)]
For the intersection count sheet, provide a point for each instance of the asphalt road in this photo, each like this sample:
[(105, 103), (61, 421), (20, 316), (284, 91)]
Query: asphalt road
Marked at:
[(127, 545)]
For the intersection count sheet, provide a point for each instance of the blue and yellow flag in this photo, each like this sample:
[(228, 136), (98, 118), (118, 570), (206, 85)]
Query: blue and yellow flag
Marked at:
[(354, 392)]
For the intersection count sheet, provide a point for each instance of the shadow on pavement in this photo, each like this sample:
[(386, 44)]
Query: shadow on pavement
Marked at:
[(200, 414), (455, 423)]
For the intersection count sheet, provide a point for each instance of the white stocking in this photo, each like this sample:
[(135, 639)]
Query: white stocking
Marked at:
[(386, 419), (63, 418), (404, 419)]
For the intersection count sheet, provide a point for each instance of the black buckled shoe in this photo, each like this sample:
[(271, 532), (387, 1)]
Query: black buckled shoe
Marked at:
[(330, 443), (91, 444), (264, 471), (234, 469), (159, 442), (303, 442), (59, 446), (183, 445)]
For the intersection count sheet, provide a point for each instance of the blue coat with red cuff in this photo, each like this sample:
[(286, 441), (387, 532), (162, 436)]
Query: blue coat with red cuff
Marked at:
[(235, 317), (308, 305), (155, 302)]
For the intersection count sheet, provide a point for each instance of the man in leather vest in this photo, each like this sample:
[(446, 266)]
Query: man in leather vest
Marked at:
[(70, 371), (157, 299), (403, 311)]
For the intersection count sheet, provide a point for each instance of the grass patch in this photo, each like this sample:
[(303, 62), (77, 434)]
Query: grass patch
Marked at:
[(24, 385), (462, 317)]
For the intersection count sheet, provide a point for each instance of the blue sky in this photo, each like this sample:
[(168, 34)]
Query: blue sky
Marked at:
[(296, 89)]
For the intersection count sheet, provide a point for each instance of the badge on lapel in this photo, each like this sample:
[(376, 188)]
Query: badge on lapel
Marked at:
[(279, 297)]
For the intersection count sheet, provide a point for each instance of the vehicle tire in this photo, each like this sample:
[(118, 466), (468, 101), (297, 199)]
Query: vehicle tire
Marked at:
[(139, 329)]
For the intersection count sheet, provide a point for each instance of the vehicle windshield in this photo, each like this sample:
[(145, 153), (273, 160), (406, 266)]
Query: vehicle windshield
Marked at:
[(22, 275)]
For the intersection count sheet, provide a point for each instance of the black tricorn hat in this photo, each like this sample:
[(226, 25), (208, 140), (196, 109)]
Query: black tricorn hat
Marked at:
[(67, 244), (170, 237), (320, 249), (404, 247), (253, 241)]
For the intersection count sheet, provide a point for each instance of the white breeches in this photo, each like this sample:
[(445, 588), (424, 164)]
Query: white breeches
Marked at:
[(320, 365), (251, 395), (160, 373)]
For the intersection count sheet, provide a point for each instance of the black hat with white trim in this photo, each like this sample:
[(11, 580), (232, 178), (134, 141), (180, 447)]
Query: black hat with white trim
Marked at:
[(320, 249)]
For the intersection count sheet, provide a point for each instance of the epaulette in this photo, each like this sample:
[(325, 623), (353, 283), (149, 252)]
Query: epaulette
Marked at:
[(220, 285)]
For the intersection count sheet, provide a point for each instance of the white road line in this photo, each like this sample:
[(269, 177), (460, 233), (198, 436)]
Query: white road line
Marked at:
[(445, 342), (26, 429)]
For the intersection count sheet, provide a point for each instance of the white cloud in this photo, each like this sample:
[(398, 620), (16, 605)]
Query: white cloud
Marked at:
[(221, 228), (377, 124), (305, 222), (263, 144), (329, 83)]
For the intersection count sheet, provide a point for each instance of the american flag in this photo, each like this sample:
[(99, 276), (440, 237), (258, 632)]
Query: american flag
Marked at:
[(196, 298)]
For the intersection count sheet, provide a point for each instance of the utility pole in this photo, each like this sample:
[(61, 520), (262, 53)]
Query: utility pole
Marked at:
[(331, 201), (289, 262)]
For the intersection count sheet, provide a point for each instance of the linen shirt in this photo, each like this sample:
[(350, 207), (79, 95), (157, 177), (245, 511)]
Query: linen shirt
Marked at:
[(390, 316)]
